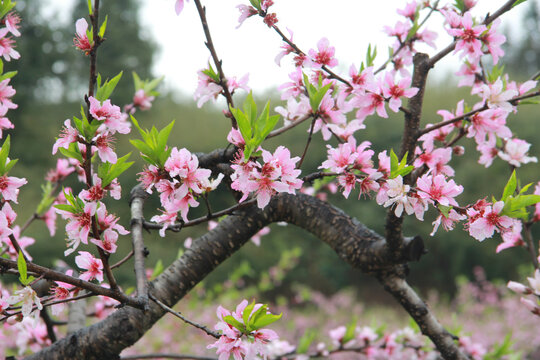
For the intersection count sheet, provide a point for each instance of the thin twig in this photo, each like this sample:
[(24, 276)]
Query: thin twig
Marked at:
[(530, 245), (184, 319), (166, 356), (308, 142), (59, 276), (210, 45), (122, 261), (292, 124), (488, 20)]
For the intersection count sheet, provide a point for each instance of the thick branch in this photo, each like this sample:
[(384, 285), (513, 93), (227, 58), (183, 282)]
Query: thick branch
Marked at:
[(138, 195), (352, 241), (396, 285), (393, 226)]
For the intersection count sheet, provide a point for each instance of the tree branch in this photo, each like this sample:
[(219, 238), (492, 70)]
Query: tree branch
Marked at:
[(351, 240)]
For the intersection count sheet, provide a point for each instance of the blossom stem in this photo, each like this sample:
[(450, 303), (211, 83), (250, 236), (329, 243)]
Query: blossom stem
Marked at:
[(308, 141), (184, 319), (530, 244), (138, 196)]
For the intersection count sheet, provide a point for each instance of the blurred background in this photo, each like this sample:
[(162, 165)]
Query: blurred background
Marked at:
[(52, 81)]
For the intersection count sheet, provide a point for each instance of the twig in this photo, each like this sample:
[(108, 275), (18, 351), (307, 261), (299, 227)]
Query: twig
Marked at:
[(298, 51), (122, 261), (210, 45), (48, 323), (513, 101), (59, 276), (488, 20), (396, 285), (287, 127), (184, 319), (530, 244), (166, 356), (202, 219), (308, 142)]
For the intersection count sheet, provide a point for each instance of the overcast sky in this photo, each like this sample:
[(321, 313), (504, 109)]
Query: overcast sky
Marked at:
[(350, 25)]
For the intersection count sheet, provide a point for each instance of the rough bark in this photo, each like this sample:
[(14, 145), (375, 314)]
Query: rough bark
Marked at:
[(352, 241)]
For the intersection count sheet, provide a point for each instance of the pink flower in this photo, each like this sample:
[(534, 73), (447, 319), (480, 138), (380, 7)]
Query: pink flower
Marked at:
[(6, 46), (110, 114), (108, 241), (12, 21), (149, 177), (409, 11), (489, 221), (28, 297), (395, 91), (325, 55), (256, 239), (396, 194), (287, 49), (9, 187), (495, 97), (436, 189), (515, 152), (400, 30), (245, 12), (62, 170), (6, 92), (369, 103), (494, 40), (105, 149), (179, 6), (78, 226), (206, 89), (233, 84), (69, 135), (142, 100), (447, 222), (81, 40), (94, 266), (468, 38)]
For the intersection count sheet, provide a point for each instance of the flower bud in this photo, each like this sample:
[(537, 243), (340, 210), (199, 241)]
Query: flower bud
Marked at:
[(458, 150), (519, 288), (532, 306)]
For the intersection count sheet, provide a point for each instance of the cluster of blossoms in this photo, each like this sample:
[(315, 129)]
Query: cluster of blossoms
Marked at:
[(179, 184), (8, 52), (245, 343), (277, 173)]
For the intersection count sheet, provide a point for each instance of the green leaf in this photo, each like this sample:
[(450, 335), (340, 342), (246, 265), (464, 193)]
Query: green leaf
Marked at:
[(47, 198), (72, 152), (247, 313), (250, 109), (445, 210), (518, 2), (90, 11), (66, 207), (256, 4), (104, 91), (264, 320), (103, 27), (350, 331), (305, 341), (8, 75), (21, 267), (108, 172), (510, 186), (233, 322)]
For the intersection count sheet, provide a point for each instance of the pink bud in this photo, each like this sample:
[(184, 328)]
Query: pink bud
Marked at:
[(458, 150), (532, 306), (519, 288)]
